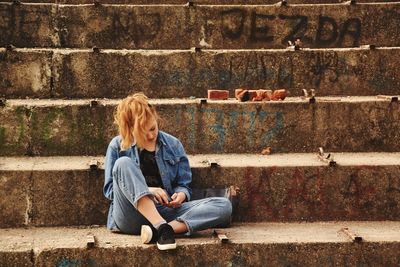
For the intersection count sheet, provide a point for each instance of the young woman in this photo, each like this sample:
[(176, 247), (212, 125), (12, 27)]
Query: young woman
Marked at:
[(147, 177)]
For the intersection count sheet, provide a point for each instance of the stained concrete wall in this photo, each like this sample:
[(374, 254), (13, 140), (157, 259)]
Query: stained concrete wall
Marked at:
[(177, 74), (62, 130), (25, 74), (201, 2), (27, 25), (17, 258), (15, 200), (75, 198), (251, 245), (311, 193), (71, 128), (181, 27), (286, 254)]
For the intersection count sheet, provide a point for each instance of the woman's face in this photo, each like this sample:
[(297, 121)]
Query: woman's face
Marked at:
[(151, 130)]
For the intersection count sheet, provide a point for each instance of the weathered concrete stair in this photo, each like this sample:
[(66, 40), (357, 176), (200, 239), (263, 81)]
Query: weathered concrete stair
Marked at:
[(281, 187), (74, 127), (200, 2), (240, 46), (207, 26), (60, 73), (261, 244)]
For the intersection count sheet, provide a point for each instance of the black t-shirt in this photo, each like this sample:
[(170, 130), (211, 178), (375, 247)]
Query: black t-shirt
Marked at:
[(149, 168)]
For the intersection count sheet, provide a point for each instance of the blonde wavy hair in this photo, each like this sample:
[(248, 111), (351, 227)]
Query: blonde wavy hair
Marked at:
[(131, 116)]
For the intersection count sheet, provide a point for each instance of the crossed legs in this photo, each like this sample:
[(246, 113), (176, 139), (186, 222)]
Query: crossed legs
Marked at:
[(134, 206)]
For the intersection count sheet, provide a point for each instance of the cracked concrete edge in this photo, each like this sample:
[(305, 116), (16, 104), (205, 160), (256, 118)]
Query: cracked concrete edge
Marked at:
[(81, 74), (312, 244), (287, 188), (199, 161), (63, 35), (286, 126), (196, 2)]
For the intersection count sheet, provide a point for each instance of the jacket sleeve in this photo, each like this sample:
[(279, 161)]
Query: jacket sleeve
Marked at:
[(111, 157), (184, 174)]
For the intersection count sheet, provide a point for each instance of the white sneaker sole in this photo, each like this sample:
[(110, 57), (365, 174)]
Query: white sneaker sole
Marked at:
[(166, 246), (146, 234)]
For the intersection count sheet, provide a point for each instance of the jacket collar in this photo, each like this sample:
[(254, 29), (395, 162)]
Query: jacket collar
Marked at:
[(160, 139)]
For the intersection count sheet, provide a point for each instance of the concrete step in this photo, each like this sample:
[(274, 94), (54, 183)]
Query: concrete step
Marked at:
[(54, 73), (61, 191), (74, 127), (201, 2), (294, 244), (206, 26)]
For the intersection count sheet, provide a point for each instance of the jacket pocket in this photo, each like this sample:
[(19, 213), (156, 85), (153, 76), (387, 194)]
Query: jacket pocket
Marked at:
[(172, 161), (171, 168)]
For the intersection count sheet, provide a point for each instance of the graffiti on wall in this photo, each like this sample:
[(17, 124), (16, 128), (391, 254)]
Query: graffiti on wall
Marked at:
[(311, 193), (262, 28), (22, 25), (68, 262), (138, 27), (221, 126)]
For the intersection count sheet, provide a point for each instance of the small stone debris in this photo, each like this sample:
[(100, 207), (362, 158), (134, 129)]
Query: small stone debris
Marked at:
[(94, 165), (94, 103), (266, 151), (282, 3), (326, 158), (351, 2), (369, 47), (221, 235), (96, 49), (212, 163), (355, 238), (388, 97), (10, 47), (3, 102), (90, 241), (294, 46)]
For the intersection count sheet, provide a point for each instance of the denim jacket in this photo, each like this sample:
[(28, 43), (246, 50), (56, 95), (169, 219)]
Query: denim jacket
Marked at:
[(172, 163)]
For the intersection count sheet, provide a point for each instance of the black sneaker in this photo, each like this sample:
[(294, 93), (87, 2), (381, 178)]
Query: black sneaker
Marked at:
[(166, 237), (148, 234)]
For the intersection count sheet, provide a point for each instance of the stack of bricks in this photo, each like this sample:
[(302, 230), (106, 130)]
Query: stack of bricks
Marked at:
[(259, 95), (244, 95)]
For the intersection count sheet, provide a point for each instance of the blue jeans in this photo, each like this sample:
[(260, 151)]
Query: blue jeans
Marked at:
[(129, 186)]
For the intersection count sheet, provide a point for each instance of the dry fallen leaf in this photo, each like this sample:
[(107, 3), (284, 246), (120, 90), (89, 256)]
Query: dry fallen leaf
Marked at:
[(266, 151)]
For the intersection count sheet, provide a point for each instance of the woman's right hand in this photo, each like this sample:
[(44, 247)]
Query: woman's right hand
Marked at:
[(160, 195)]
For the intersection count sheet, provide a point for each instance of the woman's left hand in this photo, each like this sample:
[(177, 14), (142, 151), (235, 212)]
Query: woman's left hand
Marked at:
[(177, 199)]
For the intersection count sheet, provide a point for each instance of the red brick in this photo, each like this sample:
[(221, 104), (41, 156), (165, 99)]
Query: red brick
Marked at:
[(263, 94), (259, 96), (253, 95), (238, 93), (267, 95), (279, 94), (242, 95), (218, 94)]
